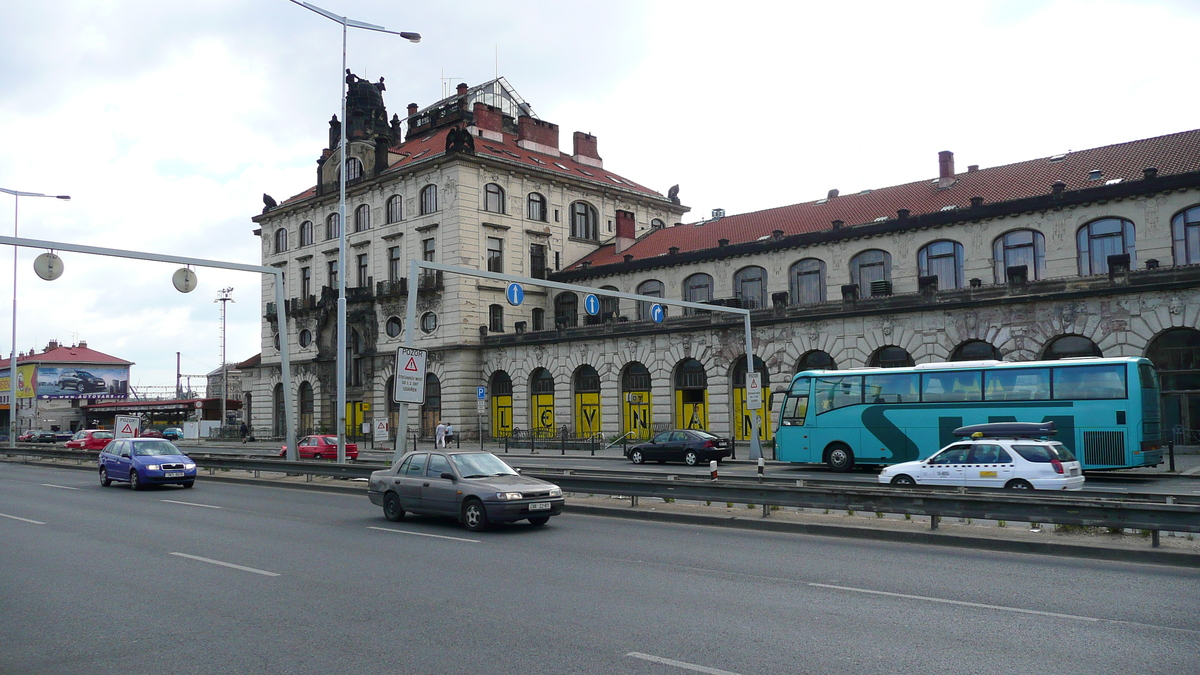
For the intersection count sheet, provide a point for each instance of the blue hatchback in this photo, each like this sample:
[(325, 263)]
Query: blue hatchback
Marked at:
[(145, 461)]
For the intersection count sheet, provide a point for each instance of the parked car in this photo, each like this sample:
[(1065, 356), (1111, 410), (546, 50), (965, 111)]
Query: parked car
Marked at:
[(689, 446), (999, 455), (44, 437), (145, 461), (476, 487), (173, 434), (90, 439), (64, 435), (80, 380), (320, 447), (150, 433), (26, 437)]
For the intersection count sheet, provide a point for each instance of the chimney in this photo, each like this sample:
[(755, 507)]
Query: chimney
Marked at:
[(675, 250), (585, 151), (52, 346), (837, 224), (626, 230), (832, 194), (1149, 173), (462, 88), (722, 243), (628, 257), (901, 214), (412, 109), (777, 234), (488, 118), (945, 169), (976, 202), (83, 344), (537, 135)]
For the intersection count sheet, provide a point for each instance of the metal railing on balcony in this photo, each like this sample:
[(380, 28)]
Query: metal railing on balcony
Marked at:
[(429, 281), (393, 287)]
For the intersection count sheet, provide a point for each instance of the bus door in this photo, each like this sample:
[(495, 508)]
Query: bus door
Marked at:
[(791, 436)]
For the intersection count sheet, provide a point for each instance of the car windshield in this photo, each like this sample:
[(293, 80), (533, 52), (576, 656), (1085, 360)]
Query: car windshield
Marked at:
[(154, 448), (481, 465)]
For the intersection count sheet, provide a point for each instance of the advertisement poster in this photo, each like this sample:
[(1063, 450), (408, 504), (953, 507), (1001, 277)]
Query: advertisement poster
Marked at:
[(25, 382), (83, 382)]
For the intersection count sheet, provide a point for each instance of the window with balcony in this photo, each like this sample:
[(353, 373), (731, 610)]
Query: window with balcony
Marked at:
[(333, 274), (393, 263), (364, 271), (1101, 238), (305, 283), (750, 287), (428, 249), (537, 261), (944, 260)]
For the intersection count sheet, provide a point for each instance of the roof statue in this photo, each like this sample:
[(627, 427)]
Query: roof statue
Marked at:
[(673, 194), (269, 202), (460, 140)]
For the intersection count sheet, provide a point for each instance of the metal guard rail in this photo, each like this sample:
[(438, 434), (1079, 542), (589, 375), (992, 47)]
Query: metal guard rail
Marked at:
[(1054, 508)]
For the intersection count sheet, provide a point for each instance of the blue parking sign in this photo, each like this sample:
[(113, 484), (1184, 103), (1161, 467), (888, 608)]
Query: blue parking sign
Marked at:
[(480, 393)]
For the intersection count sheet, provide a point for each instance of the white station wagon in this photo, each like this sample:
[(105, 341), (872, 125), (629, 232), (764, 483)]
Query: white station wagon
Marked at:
[(1001, 455)]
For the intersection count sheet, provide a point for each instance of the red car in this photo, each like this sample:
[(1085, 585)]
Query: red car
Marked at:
[(321, 447), (90, 439)]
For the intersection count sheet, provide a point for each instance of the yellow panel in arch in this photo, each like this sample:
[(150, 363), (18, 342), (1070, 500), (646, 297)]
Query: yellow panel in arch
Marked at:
[(587, 413), (691, 409), (637, 413), (502, 416), (543, 412), (742, 427)]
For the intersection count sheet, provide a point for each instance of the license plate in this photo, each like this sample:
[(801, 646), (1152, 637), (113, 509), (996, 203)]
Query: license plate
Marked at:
[(174, 474), (1074, 472), (539, 506)]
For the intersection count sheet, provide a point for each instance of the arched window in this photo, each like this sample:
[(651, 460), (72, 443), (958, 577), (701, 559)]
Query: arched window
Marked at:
[(806, 282), (431, 409), (1069, 346), (535, 207), (354, 359), (657, 224), (362, 218), (697, 288), (1176, 356), (1185, 230), (636, 402), (566, 310), (890, 357), (541, 401), (636, 378), (493, 198), (354, 169), (500, 390), (333, 226), (281, 240), (1016, 248), (279, 421), (1101, 238), (691, 395), (610, 306), (585, 223), (496, 318), (307, 409), (538, 318), (429, 200), (944, 260), (975, 350), (654, 289), (395, 209), (306, 233), (869, 267), (815, 360), (587, 380), (750, 286)]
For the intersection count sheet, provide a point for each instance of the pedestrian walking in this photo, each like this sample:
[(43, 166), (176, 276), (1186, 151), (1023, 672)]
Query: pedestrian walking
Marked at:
[(439, 435), (449, 434), (244, 431)]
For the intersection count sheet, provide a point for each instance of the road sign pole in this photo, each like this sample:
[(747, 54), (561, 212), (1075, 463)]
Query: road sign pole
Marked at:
[(410, 320)]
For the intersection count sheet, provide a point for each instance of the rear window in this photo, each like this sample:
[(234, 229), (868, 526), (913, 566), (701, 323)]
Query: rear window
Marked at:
[(102, 434), (1043, 453)]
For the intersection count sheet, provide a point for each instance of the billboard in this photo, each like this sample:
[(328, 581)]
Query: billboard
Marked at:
[(25, 382), (82, 381)]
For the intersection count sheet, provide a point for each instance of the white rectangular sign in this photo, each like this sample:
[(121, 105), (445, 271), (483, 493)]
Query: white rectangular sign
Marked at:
[(127, 426), (753, 391), (381, 431), (410, 375)]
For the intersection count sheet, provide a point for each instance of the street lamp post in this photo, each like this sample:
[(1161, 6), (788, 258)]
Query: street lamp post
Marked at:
[(12, 361), (341, 264)]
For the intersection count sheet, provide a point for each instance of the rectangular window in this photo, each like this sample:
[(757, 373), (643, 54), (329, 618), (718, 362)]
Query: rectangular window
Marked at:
[(952, 386), (1089, 382), (795, 408), (1025, 384), (364, 271), (393, 263), (428, 250), (495, 254), (496, 318), (838, 392), (305, 282), (537, 261), (900, 388), (333, 274)]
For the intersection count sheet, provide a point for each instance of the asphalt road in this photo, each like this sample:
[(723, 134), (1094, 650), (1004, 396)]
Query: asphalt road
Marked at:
[(246, 579)]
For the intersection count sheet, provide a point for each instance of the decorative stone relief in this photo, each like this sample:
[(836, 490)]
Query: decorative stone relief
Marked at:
[(904, 244)]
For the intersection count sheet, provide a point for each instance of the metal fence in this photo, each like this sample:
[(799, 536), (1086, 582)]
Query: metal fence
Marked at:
[(548, 440)]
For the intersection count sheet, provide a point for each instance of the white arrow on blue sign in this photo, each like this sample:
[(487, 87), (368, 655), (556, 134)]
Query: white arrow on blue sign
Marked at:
[(591, 304), (657, 313), (516, 294)]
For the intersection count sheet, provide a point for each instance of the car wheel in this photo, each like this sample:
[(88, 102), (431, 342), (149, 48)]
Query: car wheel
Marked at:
[(188, 483), (691, 458), (104, 479), (1019, 484), (539, 521), (636, 457), (133, 481), (903, 479), (318, 456), (474, 516), (840, 458), (391, 507)]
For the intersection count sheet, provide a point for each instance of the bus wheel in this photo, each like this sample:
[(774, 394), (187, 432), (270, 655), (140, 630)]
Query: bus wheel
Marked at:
[(840, 458)]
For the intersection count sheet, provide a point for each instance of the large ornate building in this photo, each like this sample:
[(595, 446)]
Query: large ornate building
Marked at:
[(1083, 253)]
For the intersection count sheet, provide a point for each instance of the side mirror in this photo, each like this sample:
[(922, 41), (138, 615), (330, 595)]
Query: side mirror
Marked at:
[(448, 476), (125, 455)]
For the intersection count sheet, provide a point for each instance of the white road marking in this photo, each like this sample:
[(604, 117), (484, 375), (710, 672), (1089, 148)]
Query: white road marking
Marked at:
[(680, 664), (225, 564), (955, 602), (23, 520), (207, 506), (422, 534), (60, 487)]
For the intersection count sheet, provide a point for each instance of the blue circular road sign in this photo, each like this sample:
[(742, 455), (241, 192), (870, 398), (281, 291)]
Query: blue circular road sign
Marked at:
[(592, 304), (515, 294), (657, 313)]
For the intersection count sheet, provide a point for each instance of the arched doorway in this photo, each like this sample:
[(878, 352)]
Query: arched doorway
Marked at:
[(587, 402), (636, 401), (743, 417), (278, 419), (1175, 354), (431, 409), (502, 404), (393, 408), (306, 409), (691, 395), (541, 402)]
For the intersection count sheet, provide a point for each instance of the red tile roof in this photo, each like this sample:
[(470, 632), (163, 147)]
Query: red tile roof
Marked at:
[(1171, 154), (69, 355)]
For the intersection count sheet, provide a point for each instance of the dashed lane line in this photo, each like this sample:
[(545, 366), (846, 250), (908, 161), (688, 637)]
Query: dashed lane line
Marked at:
[(680, 664), (206, 506), (226, 564), (60, 487), (23, 520), (422, 534)]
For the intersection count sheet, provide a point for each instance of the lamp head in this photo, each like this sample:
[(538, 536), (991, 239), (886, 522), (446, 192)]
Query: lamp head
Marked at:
[(411, 37)]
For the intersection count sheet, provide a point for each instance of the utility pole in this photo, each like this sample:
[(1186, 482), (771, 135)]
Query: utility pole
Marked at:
[(178, 388), (225, 293)]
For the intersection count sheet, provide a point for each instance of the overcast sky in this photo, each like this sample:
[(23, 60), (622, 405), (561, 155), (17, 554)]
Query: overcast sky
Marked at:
[(167, 121)]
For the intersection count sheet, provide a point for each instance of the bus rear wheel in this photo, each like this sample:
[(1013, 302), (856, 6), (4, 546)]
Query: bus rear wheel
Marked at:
[(840, 458)]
